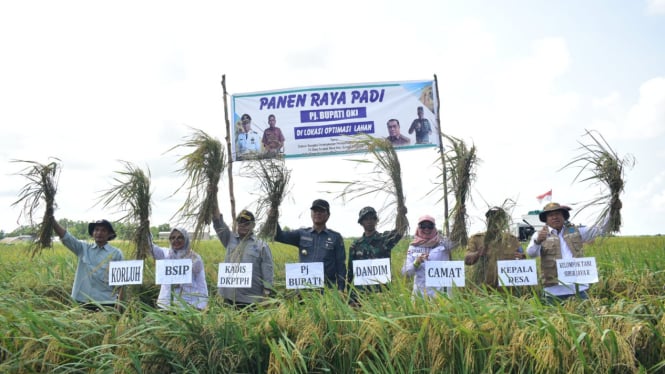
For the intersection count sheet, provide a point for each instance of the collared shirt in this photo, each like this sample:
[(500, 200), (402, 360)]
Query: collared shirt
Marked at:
[(273, 139), (91, 281), (422, 134), (246, 250), (195, 293), (326, 246), (377, 245), (587, 234), (247, 142), (439, 253), (399, 140)]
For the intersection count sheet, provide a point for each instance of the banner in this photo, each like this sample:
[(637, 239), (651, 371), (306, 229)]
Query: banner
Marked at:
[(316, 121)]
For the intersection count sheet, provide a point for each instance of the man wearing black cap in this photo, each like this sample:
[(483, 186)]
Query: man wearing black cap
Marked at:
[(559, 239), (91, 282), (319, 244), (245, 247), (371, 245)]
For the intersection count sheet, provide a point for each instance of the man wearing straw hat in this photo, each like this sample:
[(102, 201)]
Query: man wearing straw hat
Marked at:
[(559, 239), (319, 244), (91, 286)]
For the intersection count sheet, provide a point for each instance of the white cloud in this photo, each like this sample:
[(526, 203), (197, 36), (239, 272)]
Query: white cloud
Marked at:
[(656, 6), (646, 119)]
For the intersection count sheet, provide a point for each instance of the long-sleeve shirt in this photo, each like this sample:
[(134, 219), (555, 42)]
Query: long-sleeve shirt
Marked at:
[(326, 246), (439, 253), (378, 245), (91, 281), (195, 293), (246, 250), (587, 234)]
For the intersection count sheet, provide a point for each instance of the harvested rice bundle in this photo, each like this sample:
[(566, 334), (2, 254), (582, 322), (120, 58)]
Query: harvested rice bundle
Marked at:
[(203, 168), (42, 185), (385, 177), (273, 178), (131, 194), (604, 167), (461, 162)]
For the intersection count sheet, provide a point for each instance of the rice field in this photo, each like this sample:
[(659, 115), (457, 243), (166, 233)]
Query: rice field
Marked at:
[(620, 329)]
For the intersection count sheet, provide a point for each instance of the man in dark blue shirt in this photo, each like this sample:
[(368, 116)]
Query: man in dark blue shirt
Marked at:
[(319, 244)]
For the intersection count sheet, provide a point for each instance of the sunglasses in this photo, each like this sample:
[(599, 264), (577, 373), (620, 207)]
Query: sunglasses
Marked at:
[(426, 225), (177, 238)]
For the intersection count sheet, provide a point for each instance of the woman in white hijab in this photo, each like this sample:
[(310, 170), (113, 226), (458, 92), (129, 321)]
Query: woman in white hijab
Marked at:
[(195, 293)]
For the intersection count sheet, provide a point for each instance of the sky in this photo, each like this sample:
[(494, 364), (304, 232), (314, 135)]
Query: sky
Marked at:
[(96, 83)]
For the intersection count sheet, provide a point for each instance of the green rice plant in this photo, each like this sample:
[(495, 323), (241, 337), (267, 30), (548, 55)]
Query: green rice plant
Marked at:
[(273, 178), (131, 194), (39, 192), (203, 168), (385, 178), (606, 168)]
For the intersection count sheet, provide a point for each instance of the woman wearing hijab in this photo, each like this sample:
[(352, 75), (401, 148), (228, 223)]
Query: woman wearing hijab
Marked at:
[(195, 293), (427, 245)]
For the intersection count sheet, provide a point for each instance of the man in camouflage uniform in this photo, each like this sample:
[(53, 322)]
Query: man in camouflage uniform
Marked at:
[(486, 248), (371, 245)]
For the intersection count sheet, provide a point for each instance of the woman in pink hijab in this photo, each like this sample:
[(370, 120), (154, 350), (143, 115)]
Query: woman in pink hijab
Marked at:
[(427, 245)]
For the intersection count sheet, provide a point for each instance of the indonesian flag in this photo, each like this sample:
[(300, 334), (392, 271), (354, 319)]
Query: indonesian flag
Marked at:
[(547, 196)]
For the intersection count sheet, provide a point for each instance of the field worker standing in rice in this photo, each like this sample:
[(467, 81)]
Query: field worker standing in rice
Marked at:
[(559, 239), (244, 247), (495, 244), (91, 286), (427, 245), (174, 295), (371, 245), (319, 244)]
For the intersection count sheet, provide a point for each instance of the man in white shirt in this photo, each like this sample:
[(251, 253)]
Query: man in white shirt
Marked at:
[(559, 239)]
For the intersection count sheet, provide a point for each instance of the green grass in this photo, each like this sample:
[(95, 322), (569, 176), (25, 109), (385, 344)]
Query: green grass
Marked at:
[(619, 330)]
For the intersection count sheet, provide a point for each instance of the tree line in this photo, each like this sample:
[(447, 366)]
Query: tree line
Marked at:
[(79, 229)]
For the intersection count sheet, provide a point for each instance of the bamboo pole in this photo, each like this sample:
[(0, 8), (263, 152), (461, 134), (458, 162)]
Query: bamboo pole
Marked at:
[(446, 223), (232, 198)]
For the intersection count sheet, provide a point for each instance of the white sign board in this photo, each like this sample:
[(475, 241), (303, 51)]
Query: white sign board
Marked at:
[(368, 272), (235, 275), (444, 274), (125, 272), (515, 273), (304, 275), (173, 271), (577, 270)]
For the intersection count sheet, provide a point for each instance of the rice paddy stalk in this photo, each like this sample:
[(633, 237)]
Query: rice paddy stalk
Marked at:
[(131, 194), (461, 162), (386, 177), (203, 168), (273, 179), (601, 165), (37, 193)]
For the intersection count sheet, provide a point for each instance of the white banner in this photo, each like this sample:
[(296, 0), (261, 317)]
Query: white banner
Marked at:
[(374, 271), (444, 274), (517, 273), (173, 271), (235, 275), (304, 275), (314, 121), (125, 272), (577, 270)]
